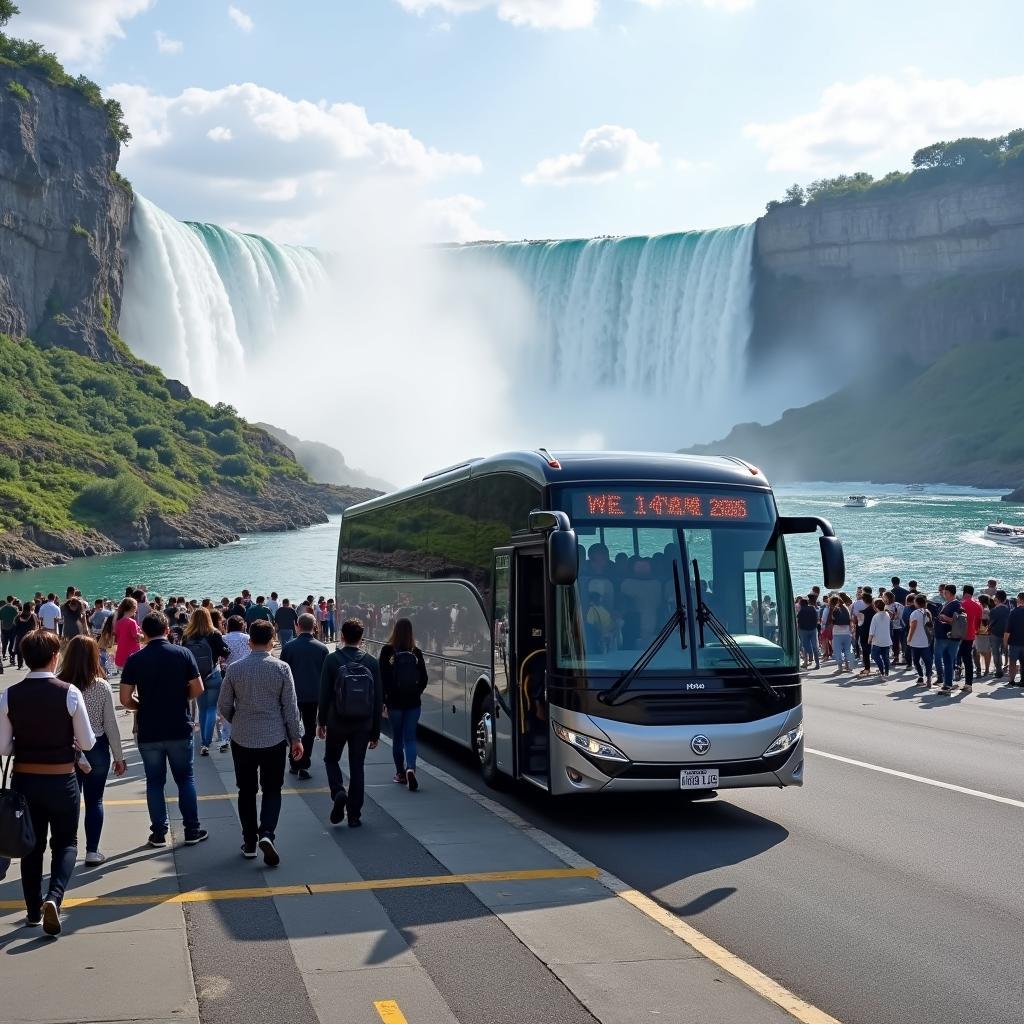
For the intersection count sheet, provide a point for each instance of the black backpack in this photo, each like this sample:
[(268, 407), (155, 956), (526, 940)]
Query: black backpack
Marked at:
[(354, 691), (203, 653), (405, 667)]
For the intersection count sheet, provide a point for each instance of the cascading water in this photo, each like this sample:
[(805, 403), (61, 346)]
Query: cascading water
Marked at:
[(630, 342)]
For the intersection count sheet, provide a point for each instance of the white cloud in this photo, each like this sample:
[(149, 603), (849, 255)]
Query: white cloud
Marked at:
[(79, 31), (527, 13), (454, 219), (729, 6), (165, 44), (686, 166), (276, 158), (603, 154), (240, 18), (876, 123)]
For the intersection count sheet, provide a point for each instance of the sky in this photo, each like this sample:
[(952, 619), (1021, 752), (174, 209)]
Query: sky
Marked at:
[(529, 118)]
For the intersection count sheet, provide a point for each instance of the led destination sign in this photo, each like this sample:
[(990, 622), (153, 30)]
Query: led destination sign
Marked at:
[(664, 505)]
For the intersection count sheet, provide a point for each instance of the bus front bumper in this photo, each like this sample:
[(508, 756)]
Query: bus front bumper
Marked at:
[(658, 755)]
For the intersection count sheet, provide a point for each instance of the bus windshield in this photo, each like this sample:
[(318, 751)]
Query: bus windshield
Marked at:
[(626, 587)]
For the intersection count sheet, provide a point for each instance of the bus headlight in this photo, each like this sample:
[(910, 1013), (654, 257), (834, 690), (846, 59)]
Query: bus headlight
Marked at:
[(588, 745), (785, 741)]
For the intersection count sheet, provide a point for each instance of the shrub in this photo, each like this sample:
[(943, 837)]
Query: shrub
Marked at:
[(236, 465), (103, 386), (18, 91), (196, 437), (147, 459), (228, 443), (121, 499), (150, 436), (121, 182), (77, 229), (126, 446), (9, 468)]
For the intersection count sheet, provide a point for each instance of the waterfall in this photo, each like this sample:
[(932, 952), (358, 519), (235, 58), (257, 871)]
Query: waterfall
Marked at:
[(200, 299), (619, 342)]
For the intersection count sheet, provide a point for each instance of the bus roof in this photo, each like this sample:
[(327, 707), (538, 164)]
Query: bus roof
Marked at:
[(545, 468)]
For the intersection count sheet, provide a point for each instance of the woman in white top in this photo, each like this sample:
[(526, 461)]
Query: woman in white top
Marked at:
[(880, 638), (920, 642), (237, 641), (80, 667)]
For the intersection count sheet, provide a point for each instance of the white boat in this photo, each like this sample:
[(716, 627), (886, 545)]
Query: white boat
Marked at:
[(856, 501), (1003, 534), (916, 488)]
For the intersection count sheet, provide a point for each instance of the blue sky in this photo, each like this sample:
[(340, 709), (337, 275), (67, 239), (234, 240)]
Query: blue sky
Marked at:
[(531, 118)]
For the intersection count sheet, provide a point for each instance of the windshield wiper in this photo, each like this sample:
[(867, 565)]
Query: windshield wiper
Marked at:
[(705, 616), (677, 620)]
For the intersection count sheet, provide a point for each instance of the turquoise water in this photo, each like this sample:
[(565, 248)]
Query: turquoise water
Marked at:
[(931, 537)]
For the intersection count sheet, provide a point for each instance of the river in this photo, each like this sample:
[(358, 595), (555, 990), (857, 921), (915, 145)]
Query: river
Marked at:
[(929, 536)]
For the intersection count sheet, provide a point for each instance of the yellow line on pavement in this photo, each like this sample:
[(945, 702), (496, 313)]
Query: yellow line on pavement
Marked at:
[(314, 889), (389, 1012), (141, 801)]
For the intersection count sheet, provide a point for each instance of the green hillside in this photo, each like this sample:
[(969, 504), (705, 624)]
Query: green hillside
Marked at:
[(956, 422), (87, 443)]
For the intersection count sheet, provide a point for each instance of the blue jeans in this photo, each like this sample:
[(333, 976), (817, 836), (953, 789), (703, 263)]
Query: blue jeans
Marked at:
[(284, 635), (93, 786), (208, 706), (842, 648), (946, 651), (880, 656), (155, 758), (809, 645), (403, 736), (922, 657)]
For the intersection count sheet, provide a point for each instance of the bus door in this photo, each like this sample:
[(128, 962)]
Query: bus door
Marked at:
[(503, 671), (530, 647)]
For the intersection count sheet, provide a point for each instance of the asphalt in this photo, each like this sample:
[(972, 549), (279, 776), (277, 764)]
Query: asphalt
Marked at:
[(879, 899)]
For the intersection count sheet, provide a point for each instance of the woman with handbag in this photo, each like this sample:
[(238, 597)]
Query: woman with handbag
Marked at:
[(80, 667), (42, 719)]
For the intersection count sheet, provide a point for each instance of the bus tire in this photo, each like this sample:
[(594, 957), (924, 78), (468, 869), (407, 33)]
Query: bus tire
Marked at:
[(483, 739)]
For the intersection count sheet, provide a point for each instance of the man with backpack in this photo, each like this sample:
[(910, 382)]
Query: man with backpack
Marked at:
[(305, 656), (351, 706), (950, 627)]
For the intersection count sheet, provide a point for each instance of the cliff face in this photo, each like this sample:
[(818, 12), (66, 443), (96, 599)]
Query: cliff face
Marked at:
[(62, 217), (919, 272)]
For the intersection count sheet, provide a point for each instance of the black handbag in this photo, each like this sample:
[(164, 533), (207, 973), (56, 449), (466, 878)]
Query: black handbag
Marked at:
[(17, 836)]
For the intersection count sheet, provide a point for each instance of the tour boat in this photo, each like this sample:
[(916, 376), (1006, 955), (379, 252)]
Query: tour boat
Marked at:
[(856, 501), (916, 488), (1003, 534)]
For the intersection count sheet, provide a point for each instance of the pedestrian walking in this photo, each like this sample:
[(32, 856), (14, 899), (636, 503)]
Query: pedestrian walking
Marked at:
[(42, 719), (880, 637), (25, 623), (965, 653), (127, 632), (305, 656), (807, 624), (258, 698), (160, 682), (207, 646), (80, 666), (285, 619), (49, 614), (920, 639), (404, 678), (8, 614), (350, 711), (842, 637)]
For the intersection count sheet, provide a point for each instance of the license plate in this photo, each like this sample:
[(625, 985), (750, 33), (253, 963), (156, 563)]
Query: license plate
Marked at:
[(698, 778)]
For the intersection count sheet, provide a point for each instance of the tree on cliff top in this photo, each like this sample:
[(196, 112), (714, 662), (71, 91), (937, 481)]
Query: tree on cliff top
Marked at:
[(24, 53)]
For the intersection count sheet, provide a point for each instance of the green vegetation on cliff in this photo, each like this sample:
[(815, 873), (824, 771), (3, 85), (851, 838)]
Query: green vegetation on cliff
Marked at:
[(84, 443), (956, 422), (960, 160), (32, 56)]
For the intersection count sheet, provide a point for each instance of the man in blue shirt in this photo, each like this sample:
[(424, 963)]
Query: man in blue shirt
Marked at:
[(946, 647), (160, 682)]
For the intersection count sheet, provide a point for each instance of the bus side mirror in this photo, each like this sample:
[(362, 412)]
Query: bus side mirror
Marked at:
[(833, 562), (563, 558)]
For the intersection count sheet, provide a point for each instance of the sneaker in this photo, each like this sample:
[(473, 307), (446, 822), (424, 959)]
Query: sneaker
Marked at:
[(966, 689), (399, 777), (204, 752), (413, 783), (1000, 674), (192, 838), (224, 747), (945, 689), (51, 918), (338, 810), (157, 840), (293, 771), (304, 775), (34, 920), (270, 855), (355, 822), (94, 857), (248, 852)]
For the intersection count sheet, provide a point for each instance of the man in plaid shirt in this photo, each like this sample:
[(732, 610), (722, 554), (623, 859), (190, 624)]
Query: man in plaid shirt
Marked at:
[(257, 698)]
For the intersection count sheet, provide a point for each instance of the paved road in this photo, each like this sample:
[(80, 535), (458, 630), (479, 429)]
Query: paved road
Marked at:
[(880, 899)]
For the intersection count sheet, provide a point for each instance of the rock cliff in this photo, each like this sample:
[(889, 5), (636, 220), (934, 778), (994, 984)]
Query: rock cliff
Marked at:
[(918, 272), (63, 213)]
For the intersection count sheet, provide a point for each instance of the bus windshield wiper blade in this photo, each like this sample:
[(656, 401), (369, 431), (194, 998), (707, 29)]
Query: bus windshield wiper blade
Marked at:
[(705, 616), (623, 683)]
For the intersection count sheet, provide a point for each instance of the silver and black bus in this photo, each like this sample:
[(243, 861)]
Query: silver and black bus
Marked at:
[(595, 621)]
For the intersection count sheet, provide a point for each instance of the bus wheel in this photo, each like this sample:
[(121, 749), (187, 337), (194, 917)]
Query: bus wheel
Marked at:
[(483, 743)]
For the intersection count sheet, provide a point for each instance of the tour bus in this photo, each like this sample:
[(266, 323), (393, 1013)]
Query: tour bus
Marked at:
[(595, 621)]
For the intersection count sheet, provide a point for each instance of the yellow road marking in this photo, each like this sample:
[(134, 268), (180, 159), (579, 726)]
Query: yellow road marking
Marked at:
[(314, 889), (389, 1013), (141, 801)]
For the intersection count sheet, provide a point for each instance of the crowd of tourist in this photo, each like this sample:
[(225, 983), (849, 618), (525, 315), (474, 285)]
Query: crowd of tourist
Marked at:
[(953, 634), (185, 667)]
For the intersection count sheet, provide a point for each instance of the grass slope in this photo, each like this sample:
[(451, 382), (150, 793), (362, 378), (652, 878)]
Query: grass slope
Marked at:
[(86, 443), (956, 422)]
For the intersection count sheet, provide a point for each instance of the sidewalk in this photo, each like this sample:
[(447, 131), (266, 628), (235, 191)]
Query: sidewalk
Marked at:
[(437, 911)]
